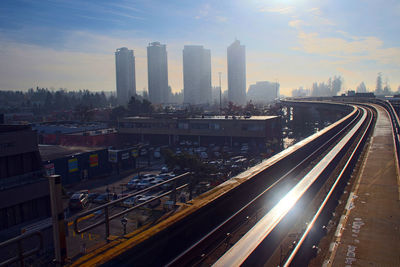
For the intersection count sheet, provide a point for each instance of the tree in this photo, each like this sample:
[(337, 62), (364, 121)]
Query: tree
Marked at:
[(117, 112)]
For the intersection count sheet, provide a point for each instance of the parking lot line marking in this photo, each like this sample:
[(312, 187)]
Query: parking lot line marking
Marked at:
[(81, 219)]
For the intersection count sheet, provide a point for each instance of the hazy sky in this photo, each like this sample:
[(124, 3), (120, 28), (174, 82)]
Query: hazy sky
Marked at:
[(71, 44)]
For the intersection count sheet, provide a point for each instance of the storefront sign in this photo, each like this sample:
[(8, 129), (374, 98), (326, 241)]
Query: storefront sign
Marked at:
[(134, 153), (94, 160), (73, 165), (113, 156), (49, 169), (125, 155)]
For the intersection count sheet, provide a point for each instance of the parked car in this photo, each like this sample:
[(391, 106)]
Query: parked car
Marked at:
[(79, 200), (143, 152), (167, 186), (144, 183), (204, 155), (132, 184), (148, 175), (152, 204), (164, 169), (129, 202), (104, 198), (157, 181), (92, 196)]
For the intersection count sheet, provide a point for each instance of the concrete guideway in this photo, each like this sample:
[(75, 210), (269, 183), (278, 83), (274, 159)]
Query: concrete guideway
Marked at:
[(369, 231)]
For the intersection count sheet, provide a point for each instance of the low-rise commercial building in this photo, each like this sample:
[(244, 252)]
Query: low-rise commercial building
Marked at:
[(204, 130), (24, 192)]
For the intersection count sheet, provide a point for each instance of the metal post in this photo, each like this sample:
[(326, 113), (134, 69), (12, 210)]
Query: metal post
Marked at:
[(173, 194), (57, 213), (107, 222), (20, 253), (191, 187)]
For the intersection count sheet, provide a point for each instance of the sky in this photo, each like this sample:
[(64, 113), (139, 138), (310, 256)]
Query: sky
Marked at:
[(71, 44)]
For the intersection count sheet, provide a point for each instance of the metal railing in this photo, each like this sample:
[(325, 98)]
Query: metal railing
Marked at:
[(21, 255), (396, 128), (394, 118), (105, 207)]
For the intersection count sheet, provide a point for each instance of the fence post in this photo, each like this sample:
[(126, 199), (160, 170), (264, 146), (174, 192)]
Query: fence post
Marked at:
[(20, 253), (57, 214), (107, 222)]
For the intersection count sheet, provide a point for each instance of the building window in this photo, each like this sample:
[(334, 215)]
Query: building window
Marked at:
[(214, 126), (183, 125), (199, 126)]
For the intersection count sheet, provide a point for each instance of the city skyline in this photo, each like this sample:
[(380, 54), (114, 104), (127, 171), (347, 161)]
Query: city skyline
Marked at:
[(69, 44)]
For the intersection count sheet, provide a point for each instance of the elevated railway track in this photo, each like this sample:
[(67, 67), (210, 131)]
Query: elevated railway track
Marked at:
[(258, 229), (272, 214), (208, 230)]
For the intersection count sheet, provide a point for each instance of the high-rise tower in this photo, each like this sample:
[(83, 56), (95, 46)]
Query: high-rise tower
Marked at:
[(125, 75), (237, 73), (196, 75), (157, 68)]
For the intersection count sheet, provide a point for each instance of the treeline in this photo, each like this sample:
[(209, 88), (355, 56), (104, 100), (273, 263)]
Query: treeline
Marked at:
[(41, 100), (334, 86), (136, 106)]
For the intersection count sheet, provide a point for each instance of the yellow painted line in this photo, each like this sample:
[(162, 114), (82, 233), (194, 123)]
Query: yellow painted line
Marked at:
[(81, 219)]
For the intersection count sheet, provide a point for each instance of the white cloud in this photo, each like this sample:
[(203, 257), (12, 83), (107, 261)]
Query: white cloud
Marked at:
[(315, 11), (221, 18), (297, 23), (360, 48), (280, 10)]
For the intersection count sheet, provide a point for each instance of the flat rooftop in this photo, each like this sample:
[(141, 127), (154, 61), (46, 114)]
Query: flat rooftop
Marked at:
[(246, 118), (51, 152)]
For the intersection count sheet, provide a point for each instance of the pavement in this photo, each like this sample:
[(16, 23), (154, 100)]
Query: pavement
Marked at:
[(369, 231), (79, 244)]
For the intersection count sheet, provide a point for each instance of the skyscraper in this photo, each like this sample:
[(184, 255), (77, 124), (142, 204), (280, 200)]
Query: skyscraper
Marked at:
[(125, 75), (196, 75), (237, 73), (157, 67)]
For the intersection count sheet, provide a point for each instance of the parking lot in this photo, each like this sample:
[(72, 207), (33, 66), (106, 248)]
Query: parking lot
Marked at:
[(227, 161)]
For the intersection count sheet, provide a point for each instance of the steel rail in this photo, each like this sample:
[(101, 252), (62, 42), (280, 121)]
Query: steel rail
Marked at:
[(21, 255), (245, 247), (218, 229), (322, 206)]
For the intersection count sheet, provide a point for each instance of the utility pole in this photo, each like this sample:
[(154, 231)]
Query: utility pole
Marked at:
[(220, 94)]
